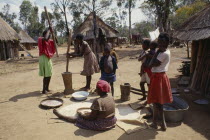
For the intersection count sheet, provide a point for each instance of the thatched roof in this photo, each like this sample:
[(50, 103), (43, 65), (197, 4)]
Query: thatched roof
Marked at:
[(86, 28), (25, 38), (195, 28), (7, 33)]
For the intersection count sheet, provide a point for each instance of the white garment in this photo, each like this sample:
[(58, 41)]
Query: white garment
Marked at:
[(145, 78), (164, 58)]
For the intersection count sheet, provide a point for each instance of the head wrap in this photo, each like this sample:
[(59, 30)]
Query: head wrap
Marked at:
[(103, 86)]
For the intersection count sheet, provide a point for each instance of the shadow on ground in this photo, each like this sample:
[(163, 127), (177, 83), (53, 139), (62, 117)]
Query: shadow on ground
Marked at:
[(141, 135), (197, 117), (26, 95), (87, 133)]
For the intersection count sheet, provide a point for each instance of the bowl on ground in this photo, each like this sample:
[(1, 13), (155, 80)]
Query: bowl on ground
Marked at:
[(80, 95)]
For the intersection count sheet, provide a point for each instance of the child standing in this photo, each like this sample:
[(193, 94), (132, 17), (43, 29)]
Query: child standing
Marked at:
[(108, 66), (160, 89), (46, 52), (144, 76)]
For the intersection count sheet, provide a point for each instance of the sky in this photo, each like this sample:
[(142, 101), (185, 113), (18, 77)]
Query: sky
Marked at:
[(137, 14)]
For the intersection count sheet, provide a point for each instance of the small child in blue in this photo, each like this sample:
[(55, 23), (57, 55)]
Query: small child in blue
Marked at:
[(108, 66)]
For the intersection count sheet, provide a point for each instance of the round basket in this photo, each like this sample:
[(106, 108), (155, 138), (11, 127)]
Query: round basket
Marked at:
[(51, 103)]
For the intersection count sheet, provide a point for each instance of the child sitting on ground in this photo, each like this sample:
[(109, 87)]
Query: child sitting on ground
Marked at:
[(108, 66)]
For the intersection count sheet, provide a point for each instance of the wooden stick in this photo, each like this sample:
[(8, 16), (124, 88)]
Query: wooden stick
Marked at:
[(68, 49), (26, 50), (132, 88), (53, 36), (136, 92)]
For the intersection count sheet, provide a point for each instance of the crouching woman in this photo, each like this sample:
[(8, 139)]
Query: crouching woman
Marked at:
[(102, 115)]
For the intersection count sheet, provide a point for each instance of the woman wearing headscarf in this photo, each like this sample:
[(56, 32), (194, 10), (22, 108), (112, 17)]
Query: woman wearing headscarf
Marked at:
[(102, 115)]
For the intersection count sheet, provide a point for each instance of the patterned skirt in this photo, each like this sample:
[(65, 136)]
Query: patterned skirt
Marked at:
[(98, 124), (90, 65), (159, 89)]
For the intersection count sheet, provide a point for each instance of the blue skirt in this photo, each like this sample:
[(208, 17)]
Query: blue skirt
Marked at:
[(110, 78)]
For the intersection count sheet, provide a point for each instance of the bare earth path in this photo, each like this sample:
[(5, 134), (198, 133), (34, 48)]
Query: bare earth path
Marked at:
[(22, 119)]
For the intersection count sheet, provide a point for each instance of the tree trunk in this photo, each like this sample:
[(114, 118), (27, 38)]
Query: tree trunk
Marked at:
[(159, 17), (95, 50), (166, 15), (129, 11), (67, 28)]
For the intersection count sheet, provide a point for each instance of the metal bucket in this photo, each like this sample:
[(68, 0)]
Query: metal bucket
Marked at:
[(174, 112)]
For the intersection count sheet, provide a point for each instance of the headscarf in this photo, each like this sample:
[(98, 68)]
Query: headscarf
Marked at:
[(103, 86)]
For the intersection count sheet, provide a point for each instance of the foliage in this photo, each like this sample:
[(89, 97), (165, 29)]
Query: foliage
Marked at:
[(81, 8), (183, 13), (128, 4), (10, 17), (25, 12), (159, 10), (113, 21), (143, 28), (34, 27), (123, 30)]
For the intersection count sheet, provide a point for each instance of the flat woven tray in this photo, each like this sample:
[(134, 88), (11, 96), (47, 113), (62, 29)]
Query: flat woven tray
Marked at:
[(51, 103)]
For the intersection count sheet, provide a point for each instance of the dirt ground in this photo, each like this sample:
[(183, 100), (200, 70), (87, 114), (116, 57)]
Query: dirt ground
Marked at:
[(22, 119)]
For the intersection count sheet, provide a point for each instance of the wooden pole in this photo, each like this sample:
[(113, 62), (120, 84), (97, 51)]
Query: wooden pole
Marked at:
[(26, 50), (53, 36), (68, 49), (188, 52)]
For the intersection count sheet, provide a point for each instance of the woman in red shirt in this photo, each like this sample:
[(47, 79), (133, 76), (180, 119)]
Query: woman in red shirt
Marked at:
[(46, 52)]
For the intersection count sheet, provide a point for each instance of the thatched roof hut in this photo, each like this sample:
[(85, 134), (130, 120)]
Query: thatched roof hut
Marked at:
[(9, 41), (26, 40), (196, 27), (197, 30), (86, 28)]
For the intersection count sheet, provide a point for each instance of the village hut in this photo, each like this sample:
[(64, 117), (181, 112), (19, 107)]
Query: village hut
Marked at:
[(197, 30), (86, 28), (26, 40), (9, 41)]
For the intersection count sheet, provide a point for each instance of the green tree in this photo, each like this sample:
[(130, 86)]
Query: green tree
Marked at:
[(123, 30), (129, 4), (44, 18), (59, 25), (25, 12), (183, 13), (161, 9), (113, 21), (143, 28), (10, 17), (34, 27)]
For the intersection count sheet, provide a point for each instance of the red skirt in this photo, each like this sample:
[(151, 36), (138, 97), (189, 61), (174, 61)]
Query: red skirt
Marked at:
[(148, 71), (159, 89)]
